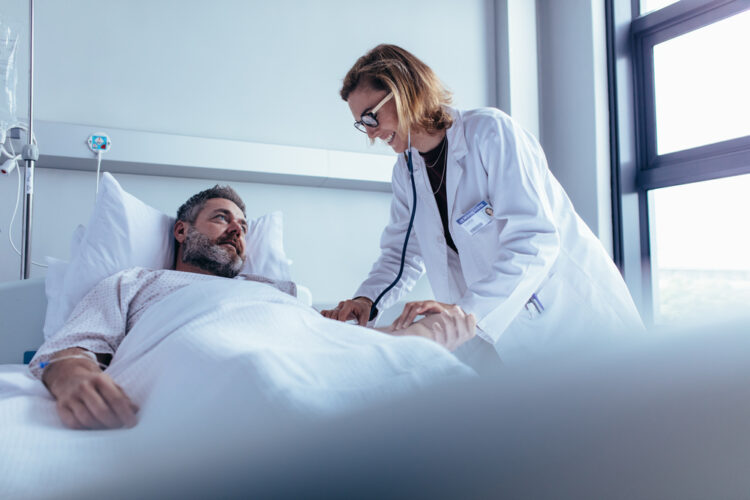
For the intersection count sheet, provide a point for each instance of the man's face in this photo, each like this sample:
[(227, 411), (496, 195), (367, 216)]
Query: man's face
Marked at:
[(215, 242)]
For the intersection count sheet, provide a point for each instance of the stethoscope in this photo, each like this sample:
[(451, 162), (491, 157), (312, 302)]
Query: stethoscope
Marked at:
[(410, 166)]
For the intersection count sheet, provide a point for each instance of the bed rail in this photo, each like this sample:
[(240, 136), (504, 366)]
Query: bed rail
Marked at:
[(23, 305)]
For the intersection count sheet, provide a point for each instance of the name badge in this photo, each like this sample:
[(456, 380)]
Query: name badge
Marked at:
[(475, 219)]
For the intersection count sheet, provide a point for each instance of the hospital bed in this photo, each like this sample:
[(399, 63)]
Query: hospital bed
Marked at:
[(214, 350)]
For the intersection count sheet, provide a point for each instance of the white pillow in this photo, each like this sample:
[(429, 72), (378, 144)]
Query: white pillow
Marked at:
[(264, 248), (124, 232), (54, 282), (53, 288)]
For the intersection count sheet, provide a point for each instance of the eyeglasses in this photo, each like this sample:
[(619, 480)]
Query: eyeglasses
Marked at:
[(369, 119)]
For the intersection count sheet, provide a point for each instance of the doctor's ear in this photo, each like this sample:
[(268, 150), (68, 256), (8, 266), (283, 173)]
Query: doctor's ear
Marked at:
[(180, 230)]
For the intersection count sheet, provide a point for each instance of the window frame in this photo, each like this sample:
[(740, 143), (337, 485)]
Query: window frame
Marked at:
[(636, 168)]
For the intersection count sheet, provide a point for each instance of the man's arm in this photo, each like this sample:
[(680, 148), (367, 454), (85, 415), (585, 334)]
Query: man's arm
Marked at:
[(66, 363), (87, 398)]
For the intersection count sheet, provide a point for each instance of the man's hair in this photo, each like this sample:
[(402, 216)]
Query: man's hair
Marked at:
[(419, 95), (189, 210)]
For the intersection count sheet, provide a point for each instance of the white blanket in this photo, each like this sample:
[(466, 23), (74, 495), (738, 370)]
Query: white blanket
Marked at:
[(212, 354)]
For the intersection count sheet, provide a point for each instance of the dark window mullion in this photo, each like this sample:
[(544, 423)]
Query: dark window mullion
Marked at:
[(730, 154), (685, 16), (695, 170)]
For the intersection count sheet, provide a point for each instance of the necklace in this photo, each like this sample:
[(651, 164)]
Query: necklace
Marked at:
[(443, 142), (442, 177), (445, 161)]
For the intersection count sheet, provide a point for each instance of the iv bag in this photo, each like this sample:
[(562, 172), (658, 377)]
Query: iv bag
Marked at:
[(8, 78)]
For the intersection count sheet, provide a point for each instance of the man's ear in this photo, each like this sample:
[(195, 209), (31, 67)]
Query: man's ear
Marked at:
[(180, 231)]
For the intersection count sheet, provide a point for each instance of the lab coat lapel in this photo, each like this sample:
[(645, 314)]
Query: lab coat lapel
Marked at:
[(425, 194), (455, 164), (430, 231)]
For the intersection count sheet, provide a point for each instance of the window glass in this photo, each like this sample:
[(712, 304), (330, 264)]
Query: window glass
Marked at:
[(700, 251), (652, 5), (701, 84)]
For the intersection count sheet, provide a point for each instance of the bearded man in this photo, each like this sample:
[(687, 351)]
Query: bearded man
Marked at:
[(210, 240)]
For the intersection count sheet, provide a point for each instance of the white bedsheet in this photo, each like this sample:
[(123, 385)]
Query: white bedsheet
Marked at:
[(214, 354)]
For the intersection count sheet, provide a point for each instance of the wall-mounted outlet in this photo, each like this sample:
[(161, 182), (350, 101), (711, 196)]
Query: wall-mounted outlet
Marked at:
[(99, 142)]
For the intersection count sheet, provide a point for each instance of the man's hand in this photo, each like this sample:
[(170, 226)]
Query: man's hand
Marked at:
[(357, 308), (87, 398), (450, 327)]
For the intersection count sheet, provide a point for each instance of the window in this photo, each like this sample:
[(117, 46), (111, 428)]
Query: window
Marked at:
[(701, 85), (680, 108), (700, 250)]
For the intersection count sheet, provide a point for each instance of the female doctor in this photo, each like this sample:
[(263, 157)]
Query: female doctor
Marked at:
[(495, 231)]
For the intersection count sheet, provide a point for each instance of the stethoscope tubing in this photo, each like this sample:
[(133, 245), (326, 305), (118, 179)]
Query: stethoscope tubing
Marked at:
[(410, 166)]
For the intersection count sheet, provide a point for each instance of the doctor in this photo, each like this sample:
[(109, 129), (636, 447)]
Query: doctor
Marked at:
[(495, 231)]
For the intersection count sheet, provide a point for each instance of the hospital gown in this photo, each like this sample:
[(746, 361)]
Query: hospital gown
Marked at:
[(107, 313)]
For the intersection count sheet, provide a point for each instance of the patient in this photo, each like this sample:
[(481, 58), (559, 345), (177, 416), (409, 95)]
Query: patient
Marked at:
[(210, 240)]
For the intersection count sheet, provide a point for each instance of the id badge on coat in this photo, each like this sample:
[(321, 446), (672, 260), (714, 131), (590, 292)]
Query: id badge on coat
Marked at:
[(476, 218)]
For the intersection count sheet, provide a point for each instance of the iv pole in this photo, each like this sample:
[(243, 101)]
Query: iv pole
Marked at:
[(30, 154)]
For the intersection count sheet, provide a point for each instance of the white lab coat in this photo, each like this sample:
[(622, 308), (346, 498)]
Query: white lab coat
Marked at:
[(535, 243)]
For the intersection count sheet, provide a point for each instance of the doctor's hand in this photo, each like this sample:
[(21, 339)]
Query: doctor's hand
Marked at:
[(450, 327), (357, 308), (414, 309), (87, 398)]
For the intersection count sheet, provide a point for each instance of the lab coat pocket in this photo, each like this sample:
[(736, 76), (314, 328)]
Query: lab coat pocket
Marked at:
[(534, 330), (567, 315), (546, 312), (537, 304)]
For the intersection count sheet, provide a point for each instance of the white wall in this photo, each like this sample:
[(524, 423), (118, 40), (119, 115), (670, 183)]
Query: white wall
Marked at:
[(257, 71), (261, 71), (574, 109), (551, 72), (518, 61)]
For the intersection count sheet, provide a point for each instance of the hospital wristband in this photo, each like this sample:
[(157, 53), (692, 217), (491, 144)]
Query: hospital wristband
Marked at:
[(83, 355)]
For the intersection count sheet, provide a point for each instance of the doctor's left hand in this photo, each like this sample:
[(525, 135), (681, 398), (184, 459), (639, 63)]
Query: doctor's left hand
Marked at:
[(357, 308), (420, 307)]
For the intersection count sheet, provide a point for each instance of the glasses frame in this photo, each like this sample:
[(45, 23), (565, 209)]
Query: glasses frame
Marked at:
[(371, 115)]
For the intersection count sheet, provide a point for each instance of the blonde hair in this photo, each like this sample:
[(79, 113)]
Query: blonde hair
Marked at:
[(419, 94)]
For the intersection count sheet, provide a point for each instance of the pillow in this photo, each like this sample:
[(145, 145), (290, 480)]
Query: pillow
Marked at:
[(264, 248), (124, 232), (54, 279), (53, 289)]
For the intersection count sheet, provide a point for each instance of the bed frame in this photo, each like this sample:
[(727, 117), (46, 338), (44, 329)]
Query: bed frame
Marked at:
[(23, 305), (22, 308)]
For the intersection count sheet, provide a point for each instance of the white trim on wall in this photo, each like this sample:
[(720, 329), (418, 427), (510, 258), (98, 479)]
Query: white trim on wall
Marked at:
[(63, 145)]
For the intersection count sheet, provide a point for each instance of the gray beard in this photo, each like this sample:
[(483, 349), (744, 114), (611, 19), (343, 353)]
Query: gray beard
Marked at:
[(200, 251)]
